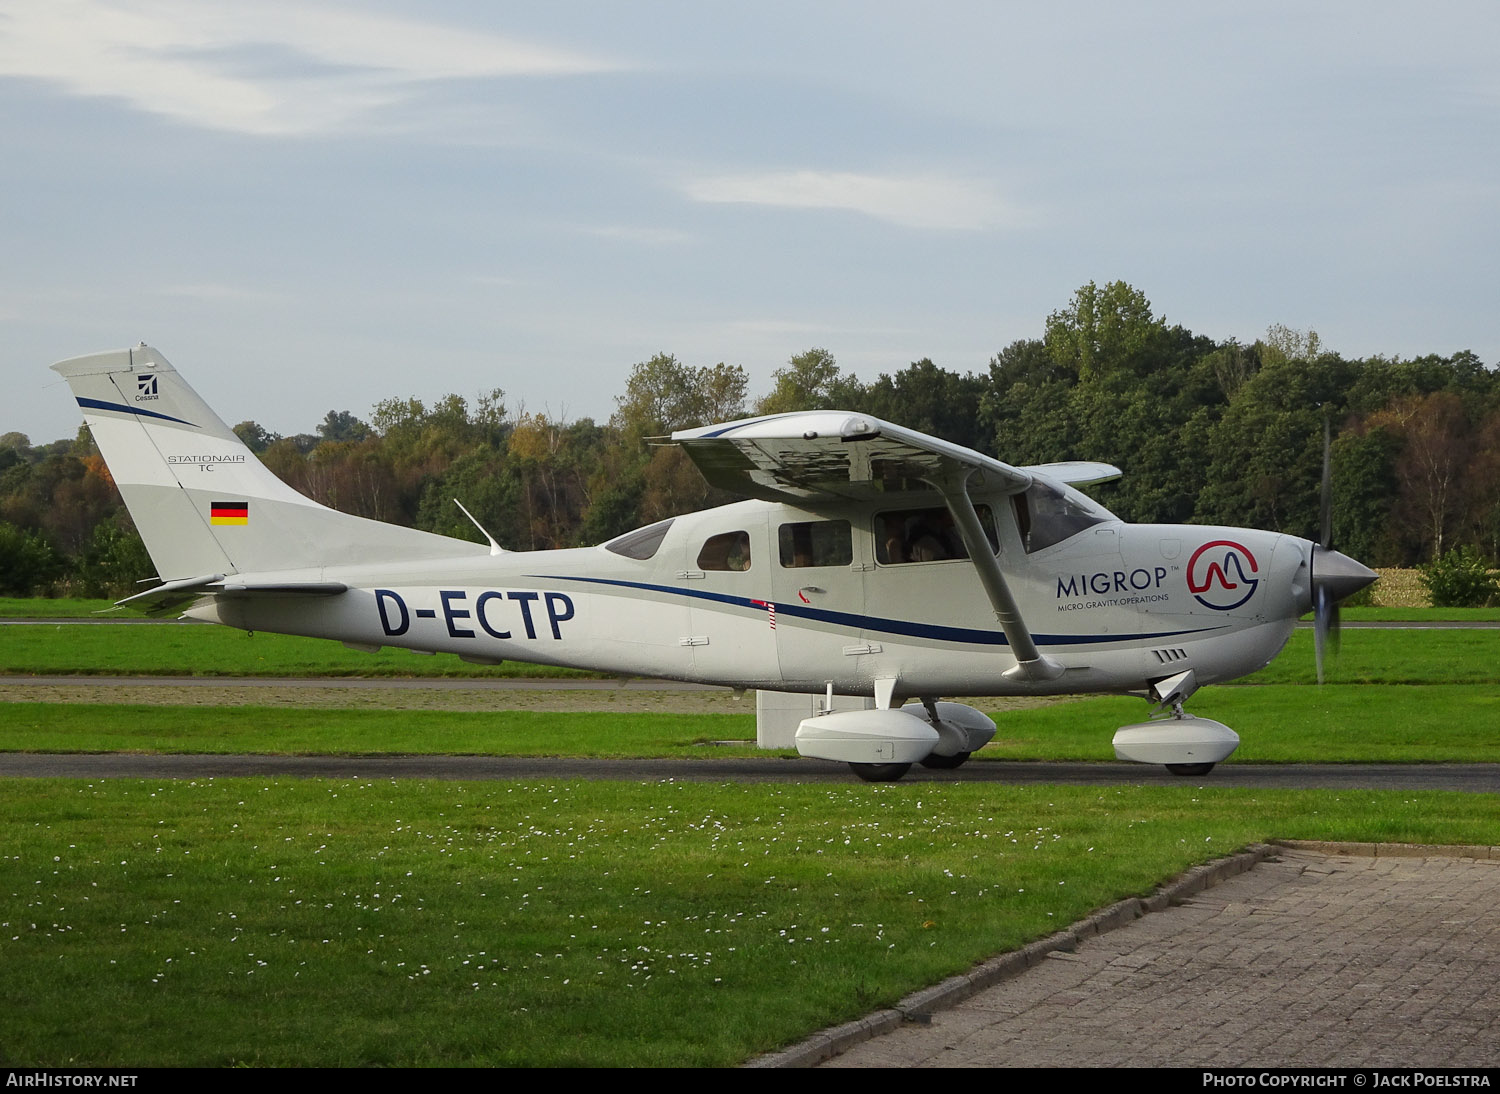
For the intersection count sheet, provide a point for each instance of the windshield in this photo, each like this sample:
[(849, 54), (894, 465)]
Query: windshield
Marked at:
[(1047, 514)]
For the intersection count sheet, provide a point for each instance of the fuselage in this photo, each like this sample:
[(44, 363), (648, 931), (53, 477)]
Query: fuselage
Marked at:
[(766, 595)]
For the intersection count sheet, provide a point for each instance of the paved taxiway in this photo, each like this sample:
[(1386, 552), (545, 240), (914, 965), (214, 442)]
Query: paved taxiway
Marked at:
[(1474, 778)]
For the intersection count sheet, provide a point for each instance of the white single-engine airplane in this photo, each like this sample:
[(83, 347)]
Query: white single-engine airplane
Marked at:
[(874, 561)]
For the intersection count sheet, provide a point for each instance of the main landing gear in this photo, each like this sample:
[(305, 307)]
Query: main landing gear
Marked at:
[(881, 745)]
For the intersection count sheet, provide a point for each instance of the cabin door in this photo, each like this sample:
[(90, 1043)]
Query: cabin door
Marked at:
[(731, 618)]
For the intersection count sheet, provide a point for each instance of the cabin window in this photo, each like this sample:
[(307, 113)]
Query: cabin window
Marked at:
[(642, 543), (726, 551), (1046, 515), (926, 535), (815, 543)]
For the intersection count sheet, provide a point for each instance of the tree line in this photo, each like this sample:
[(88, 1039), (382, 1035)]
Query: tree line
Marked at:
[(1206, 432)]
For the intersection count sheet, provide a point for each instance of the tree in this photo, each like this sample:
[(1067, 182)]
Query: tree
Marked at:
[(1232, 365), (663, 394), (1027, 411), (924, 397), (340, 425), (255, 436), (811, 381), (1460, 579), (1102, 329), (28, 565), (1283, 343), (1266, 463), (1364, 492), (1437, 447), (115, 561)]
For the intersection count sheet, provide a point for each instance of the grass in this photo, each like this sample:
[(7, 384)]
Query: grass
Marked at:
[(1391, 657), (66, 727), (30, 607), (1419, 615), (1283, 724), (1277, 724), (207, 650), (339, 923)]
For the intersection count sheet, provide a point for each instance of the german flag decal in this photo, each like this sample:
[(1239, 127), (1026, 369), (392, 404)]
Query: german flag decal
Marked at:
[(229, 512)]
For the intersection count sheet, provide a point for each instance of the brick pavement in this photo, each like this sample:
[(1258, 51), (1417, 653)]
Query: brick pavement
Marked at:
[(1370, 956)]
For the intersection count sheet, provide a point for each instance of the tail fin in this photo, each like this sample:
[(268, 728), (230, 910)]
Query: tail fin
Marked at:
[(202, 502)]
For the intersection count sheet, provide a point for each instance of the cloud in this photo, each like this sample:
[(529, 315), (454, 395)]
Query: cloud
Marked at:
[(264, 69), (911, 201)]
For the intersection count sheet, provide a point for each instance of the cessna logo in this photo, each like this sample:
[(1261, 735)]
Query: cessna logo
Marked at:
[(145, 387), (1222, 575)]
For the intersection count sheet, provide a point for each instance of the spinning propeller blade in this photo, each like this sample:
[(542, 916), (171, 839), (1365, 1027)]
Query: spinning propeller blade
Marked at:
[(1334, 575)]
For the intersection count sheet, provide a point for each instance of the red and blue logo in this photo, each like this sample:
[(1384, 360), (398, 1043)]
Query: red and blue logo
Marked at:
[(1222, 575)]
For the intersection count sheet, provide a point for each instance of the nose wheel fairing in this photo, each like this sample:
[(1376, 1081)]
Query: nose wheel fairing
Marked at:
[(1176, 740)]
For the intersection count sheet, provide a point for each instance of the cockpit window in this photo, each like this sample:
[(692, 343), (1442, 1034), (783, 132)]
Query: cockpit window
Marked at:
[(815, 543), (925, 535), (726, 551), (642, 543), (1046, 515)]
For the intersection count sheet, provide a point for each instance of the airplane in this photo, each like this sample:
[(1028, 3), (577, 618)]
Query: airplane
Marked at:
[(870, 560)]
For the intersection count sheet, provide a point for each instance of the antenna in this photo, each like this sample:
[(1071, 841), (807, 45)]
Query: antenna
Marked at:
[(495, 548)]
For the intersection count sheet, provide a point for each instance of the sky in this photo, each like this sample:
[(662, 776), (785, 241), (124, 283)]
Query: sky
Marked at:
[(318, 205)]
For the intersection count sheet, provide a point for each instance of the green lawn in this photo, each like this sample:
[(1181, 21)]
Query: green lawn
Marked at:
[(200, 649), (1337, 723), (1391, 657), (12, 607), (1276, 723), (1420, 615), (357, 923)]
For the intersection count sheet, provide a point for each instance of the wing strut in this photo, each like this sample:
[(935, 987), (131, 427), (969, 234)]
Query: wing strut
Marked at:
[(1031, 663)]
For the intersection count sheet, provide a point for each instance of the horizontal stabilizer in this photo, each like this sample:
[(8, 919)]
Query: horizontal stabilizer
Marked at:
[(172, 595)]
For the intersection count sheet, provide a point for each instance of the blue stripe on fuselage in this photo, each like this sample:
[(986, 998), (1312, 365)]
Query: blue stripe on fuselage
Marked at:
[(874, 623)]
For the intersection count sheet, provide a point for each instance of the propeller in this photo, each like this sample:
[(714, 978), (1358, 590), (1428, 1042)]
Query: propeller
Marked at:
[(1325, 608), (1334, 575)]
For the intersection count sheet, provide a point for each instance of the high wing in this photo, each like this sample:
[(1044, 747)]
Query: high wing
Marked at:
[(1077, 472), (809, 456)]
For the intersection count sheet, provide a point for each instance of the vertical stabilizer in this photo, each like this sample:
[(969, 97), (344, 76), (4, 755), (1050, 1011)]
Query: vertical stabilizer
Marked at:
[(201, 500)]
